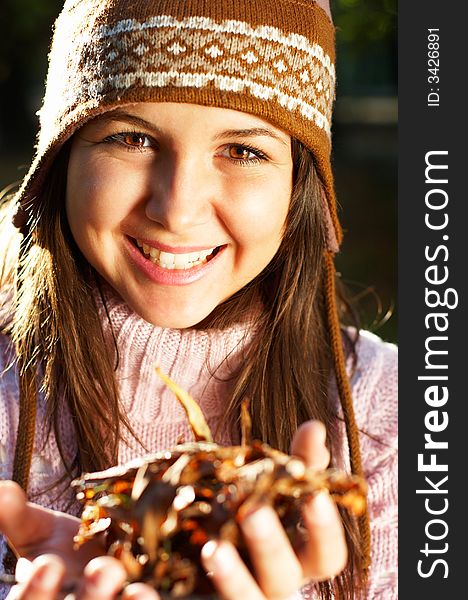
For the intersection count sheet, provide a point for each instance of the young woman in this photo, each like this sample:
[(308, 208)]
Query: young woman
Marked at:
[(180, 212)]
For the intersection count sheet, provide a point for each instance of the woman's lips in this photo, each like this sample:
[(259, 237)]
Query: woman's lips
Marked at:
[(168, 268)]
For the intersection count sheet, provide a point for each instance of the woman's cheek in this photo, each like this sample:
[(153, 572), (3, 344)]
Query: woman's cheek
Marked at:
[(259, 218), (107, 198)]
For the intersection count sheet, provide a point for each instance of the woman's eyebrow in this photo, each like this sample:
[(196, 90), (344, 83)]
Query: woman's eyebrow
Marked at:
[(121, 115), (251, 132)]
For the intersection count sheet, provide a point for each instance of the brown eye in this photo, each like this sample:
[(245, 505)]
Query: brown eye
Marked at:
[(131, 141), (137, 140), (240, 153)]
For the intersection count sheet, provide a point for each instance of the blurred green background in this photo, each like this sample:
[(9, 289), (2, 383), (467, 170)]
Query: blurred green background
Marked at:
[(364, 133), (365, 156)]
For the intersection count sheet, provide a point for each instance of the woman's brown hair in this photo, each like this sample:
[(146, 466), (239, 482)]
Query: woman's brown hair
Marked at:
[(286, 373)]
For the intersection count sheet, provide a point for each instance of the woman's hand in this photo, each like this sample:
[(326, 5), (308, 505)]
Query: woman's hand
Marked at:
[(279, 572), (44, 540), (102, 579)]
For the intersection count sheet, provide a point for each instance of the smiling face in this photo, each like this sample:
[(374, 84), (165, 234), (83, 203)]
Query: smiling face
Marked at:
[(178, 206)]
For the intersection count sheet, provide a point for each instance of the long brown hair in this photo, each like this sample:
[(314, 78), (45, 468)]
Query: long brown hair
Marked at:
[(286, 373)]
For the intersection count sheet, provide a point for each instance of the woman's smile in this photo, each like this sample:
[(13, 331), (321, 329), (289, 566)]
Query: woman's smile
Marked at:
[(177, 260), (173, 268), (178, 206)]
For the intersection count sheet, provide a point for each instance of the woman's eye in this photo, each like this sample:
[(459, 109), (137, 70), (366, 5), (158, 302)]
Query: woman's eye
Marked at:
[(245, 154), (131, 140), (240, 152), (136, 140)]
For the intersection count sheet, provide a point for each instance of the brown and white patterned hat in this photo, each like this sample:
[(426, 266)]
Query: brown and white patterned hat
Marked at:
[(271, 59)]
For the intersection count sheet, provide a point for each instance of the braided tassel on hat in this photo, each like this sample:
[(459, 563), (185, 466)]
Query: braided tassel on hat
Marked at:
[(346, 400)]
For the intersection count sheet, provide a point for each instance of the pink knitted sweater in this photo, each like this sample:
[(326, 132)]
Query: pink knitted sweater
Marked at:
[(190, 358)]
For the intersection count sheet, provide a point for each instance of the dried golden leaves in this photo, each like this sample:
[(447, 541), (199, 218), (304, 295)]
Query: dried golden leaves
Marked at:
[(158, 515)]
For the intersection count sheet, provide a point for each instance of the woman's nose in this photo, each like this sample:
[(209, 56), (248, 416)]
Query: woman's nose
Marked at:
[(182, 195)]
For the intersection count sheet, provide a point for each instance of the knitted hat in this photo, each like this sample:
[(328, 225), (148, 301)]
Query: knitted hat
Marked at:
[(271, 59)]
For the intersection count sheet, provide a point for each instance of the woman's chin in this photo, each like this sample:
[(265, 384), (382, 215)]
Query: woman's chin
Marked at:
[(173, 317)]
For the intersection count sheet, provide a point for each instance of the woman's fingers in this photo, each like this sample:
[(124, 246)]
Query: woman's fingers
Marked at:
[(44, 580), (309, 444), (139, 591), (277, 568), (230, 576), (103, 578), (325, 553), (22, 523)]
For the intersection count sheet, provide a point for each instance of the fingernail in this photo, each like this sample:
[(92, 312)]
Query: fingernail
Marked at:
[(102, 580), (48, 577), (321, 509), (24, 568), (104, 584), (217, 557), (258, 523), (139, 591)]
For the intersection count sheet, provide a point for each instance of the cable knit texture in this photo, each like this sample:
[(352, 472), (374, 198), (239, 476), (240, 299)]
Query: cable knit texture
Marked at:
[(190, 358)]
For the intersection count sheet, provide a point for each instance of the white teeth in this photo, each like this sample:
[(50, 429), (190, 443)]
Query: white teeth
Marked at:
[(167, 260), (180, 260)]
